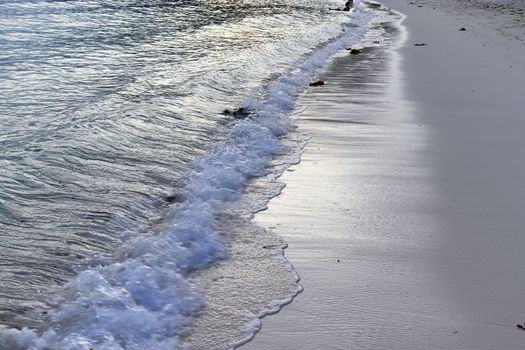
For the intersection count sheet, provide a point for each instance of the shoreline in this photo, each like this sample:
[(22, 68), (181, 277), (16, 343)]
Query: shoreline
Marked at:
[(396, 219), (256, 280)]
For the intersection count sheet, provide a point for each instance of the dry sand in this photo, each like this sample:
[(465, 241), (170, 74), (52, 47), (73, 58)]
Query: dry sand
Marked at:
[(405, 218)]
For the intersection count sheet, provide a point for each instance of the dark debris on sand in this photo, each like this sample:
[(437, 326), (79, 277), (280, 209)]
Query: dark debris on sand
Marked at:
[(239, 113)]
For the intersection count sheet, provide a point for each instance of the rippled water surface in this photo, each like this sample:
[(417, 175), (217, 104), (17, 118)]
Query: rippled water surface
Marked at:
[(104, 106)]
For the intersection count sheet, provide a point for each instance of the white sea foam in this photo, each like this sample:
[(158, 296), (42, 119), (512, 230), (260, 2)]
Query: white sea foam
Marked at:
[(143, 299)]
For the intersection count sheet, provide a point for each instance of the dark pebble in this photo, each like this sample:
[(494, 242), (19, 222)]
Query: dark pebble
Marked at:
[(317, 83)]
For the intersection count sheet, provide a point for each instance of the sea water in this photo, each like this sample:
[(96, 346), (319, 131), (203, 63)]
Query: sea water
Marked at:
[(127, 177)]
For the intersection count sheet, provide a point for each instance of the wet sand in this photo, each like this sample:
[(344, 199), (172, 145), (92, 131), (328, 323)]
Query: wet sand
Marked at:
[(404, 217)]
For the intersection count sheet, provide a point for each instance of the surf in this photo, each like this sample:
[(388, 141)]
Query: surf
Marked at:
[(141, 296)]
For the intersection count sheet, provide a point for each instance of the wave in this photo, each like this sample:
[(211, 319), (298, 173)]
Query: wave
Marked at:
[(143, 298)]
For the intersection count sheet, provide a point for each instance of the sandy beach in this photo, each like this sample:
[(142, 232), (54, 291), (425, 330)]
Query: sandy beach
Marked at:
[(404, 217)]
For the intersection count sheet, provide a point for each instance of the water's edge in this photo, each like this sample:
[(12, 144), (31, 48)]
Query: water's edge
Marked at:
[(380, 31)]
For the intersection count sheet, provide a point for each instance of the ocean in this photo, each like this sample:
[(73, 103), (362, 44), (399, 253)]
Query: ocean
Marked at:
[(138, 139)]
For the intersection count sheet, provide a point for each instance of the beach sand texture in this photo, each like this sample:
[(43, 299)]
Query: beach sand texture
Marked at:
[(405, 217)]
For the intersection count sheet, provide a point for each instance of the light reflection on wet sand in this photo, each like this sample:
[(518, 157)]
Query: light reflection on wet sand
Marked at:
[(383, 262)]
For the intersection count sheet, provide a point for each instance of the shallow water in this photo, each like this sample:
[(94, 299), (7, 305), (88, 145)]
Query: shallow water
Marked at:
[(106, 110)]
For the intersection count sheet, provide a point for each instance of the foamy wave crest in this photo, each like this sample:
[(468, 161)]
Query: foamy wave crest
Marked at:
[(143, 298)]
